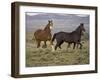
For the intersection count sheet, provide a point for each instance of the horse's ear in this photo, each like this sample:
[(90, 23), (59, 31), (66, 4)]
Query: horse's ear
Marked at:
[(48, 20), (82, 24)]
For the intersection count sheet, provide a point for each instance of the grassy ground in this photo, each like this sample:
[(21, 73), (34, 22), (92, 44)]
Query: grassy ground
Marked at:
[(45, 57)]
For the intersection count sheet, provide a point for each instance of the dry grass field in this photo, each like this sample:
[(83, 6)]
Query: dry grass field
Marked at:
[(45, 57)]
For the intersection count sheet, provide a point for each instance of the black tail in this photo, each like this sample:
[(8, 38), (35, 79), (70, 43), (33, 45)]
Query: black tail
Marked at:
[(53, 37), (33, 38)]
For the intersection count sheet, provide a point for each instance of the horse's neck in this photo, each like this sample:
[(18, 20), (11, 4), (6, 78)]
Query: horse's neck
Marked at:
[(78, 30), (47, 28)]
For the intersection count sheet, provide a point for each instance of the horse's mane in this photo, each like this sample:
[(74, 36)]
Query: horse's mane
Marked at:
[(77, 29), (47, 26)]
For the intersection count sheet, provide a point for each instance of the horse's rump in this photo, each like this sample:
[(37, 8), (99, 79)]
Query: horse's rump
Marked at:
[(37, 33)]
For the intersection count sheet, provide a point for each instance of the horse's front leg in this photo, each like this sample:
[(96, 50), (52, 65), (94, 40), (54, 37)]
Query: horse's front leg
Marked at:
[(77, 46), (74, 45), (80, 45)]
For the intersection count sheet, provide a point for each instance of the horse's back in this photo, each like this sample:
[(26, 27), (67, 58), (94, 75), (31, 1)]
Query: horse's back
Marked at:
[(65, 36), (60, 35), (37, 32)]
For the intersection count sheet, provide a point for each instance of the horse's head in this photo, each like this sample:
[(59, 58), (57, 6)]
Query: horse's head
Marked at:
[(82, 27), (50, 22)]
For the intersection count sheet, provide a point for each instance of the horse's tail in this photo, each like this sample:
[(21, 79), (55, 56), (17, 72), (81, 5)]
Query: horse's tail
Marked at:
[(54, 36), (34, 37)]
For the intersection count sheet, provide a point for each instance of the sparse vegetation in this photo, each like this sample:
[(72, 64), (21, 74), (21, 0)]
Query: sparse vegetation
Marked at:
[(45, 56)]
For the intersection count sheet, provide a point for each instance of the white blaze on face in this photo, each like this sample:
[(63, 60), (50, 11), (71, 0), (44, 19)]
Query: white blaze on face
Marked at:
[(52, 48), (50, 27)]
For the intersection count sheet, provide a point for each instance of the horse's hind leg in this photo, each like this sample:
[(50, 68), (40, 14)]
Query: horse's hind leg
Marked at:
[(58, 44), (38, 43), (61, 44)]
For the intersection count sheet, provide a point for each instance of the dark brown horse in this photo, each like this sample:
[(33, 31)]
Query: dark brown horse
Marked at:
[(69, 37), (44, 35)]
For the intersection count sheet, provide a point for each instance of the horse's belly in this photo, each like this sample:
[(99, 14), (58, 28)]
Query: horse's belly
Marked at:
[(43, 38)]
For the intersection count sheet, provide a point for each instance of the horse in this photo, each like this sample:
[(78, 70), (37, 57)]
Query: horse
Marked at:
[(69, 37), (44, 35)]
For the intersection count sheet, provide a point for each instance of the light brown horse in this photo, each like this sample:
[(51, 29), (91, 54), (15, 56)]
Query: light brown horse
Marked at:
[(44, 35)]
